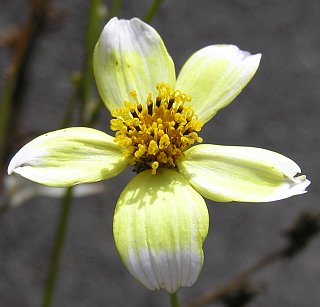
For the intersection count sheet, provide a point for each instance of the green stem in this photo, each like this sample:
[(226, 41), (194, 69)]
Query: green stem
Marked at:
[(67, 117), (5, 111), (93, 30), (152, 10), (115, 8), (85, 93), (174, 299), (58, 248)]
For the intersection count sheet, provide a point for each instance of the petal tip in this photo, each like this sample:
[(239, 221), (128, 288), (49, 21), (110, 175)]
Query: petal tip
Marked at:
[(14, 164), (301, 182), (10, 168), (294, 186), (252, 62), (256, 57)]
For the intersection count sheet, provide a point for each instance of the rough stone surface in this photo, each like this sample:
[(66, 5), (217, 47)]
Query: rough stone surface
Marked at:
[(279, 110)]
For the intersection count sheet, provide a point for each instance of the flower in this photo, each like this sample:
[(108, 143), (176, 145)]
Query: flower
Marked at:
[(161, 218)]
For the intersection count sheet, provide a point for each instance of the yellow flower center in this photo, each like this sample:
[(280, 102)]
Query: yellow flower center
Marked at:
[(157, 134)]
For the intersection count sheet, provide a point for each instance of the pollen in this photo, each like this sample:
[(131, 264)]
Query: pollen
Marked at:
[(156, 133)]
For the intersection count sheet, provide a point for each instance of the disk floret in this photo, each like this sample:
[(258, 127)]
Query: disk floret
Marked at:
[(156, 133)]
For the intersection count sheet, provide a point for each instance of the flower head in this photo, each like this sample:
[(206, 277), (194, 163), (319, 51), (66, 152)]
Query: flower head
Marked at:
[(156, 134), (161, 219)]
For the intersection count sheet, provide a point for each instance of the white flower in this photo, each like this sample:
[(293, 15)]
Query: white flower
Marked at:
[(161, 219)]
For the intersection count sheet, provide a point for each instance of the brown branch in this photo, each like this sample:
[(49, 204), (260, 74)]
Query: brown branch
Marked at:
[(299, 234), (9, 37), (27, 33), (21, 42), (235, 282)]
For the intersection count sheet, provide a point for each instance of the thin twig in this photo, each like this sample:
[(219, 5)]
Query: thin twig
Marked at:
[(298, 234), (87, 86), (23, 43), (58, 248), (220, 292), (84, 89), (154, 7)]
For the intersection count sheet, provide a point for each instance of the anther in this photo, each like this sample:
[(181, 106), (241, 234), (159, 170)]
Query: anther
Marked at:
[(150, 109), (170, 104), (134, 114), (180, 109), (158, 102), (139, 108)]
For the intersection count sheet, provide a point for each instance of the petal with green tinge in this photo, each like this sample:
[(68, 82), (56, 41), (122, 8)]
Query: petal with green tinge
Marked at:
[(231, 173), (130, 55), (214, 76), (70, 156), (160, 223)]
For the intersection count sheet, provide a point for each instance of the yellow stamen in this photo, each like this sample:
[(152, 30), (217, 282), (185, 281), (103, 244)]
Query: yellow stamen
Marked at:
[(157, 133)]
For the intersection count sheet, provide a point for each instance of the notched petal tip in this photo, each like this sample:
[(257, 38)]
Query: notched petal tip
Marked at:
[(130, 55), (295, 186), (215, 75), (301, 179), (257, 58), (233, 51), (296, 182)]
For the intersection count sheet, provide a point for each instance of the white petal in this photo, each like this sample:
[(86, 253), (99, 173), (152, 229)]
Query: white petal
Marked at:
[(70, 156), (214, 76), (130, 55), (231, 173), (160, 223)]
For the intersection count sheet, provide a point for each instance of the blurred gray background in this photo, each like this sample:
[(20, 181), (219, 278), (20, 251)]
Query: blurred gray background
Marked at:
[(279, 110)]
